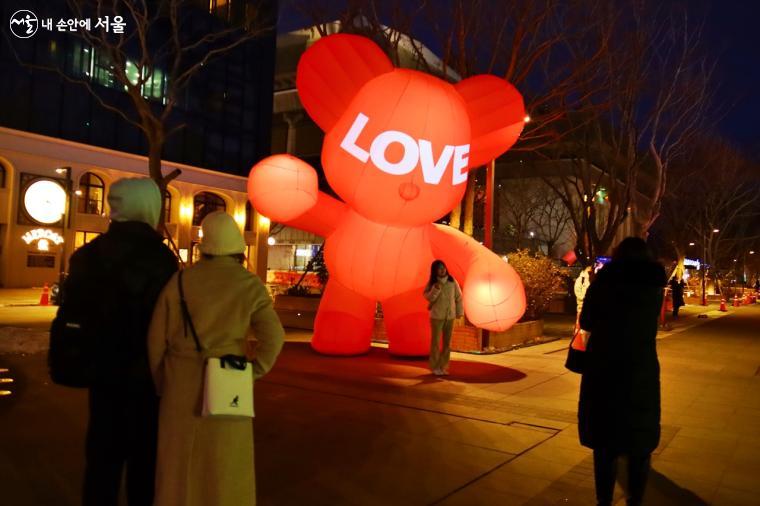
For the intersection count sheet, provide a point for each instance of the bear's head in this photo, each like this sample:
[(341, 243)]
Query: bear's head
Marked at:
[(399, 143)]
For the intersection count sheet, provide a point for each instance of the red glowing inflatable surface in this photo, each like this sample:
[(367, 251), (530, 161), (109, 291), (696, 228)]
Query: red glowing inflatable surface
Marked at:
[(398, 146)]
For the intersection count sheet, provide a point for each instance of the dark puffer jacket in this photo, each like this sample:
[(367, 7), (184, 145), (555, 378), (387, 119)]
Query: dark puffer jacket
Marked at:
[(115, 280), (619, 407)]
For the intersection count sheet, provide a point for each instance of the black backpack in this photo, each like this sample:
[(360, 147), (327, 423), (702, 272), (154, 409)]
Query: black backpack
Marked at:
[(70, 357), (99, 332), (73, 333)]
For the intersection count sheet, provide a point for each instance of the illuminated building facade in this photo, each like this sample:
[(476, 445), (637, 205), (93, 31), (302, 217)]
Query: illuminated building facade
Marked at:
[(57, 141), (34, 181)]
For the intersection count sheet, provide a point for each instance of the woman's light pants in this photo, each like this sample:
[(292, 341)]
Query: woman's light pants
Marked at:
[(439, 358)]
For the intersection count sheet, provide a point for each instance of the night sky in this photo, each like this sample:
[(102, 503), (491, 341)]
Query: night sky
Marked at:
[(733, 30), (731, 34)]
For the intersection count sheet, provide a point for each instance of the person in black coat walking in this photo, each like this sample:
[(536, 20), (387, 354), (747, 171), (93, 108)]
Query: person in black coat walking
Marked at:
[(116, 280), (619, 407), (676, 291)]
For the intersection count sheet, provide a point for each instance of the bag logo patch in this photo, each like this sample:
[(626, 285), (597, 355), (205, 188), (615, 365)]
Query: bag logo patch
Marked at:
[(234, 403)]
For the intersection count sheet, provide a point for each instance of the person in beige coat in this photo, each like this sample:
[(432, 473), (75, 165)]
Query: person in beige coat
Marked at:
[(445, 305), (204, 461)]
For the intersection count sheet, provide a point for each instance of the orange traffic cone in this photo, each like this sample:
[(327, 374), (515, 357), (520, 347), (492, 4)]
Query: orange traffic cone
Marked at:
[(723, 304), (45, 297), (736, 301)]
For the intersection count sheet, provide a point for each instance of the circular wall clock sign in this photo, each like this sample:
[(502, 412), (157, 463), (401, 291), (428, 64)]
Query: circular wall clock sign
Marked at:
[(45, 201)]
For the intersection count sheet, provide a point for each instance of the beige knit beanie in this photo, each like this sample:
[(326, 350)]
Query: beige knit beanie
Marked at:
[(135, 199), (221, 235)]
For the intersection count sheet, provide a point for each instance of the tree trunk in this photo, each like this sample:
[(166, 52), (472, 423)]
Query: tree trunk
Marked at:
[(455, 217), (155, 152), (469, 207)]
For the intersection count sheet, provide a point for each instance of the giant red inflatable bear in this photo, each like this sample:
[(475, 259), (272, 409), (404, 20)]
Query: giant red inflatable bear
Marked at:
[(397, 148)]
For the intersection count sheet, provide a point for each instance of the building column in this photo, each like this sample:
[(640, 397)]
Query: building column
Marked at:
[(261, 250), (292, 118)]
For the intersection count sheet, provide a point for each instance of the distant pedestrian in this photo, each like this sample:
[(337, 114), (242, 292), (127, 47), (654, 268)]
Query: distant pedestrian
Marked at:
[(582, 283), (116, 278), (619, 408), (445, 305), (676, 292), (206, 461), (757, 285)]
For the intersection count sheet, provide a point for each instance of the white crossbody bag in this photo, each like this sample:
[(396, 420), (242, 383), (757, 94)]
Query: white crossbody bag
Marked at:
[(228, 380)]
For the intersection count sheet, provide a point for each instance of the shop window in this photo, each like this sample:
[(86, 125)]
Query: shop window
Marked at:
[(91, 192), (195, 252), (81, 238), (38, 260), (205, 203), (167, 207), (302, 254)]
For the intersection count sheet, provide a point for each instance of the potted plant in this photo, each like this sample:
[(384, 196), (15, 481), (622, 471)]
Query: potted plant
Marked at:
[(542, 278)]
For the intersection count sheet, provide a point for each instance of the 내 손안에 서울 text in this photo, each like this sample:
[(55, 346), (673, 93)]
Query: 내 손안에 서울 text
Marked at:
[(25, 23)]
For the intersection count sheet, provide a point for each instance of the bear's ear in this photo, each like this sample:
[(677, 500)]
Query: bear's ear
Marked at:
[(497, 116), (333, 70)]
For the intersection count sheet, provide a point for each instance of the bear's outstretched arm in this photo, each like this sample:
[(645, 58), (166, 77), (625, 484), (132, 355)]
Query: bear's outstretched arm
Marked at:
[(494, 297), (284, 189), (322, 218)]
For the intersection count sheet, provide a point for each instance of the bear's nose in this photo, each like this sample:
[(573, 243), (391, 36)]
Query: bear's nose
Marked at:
[(408, 191)]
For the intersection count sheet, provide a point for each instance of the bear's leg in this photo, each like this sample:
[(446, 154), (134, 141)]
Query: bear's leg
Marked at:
[(407, 323), (344, 322)]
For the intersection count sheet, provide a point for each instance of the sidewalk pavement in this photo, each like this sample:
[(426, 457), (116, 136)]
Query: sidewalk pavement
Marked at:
[(378, 430), (19, 296), (502, 428), (19, 308)]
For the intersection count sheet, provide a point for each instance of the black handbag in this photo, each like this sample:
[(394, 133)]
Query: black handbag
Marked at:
[(576, 356)]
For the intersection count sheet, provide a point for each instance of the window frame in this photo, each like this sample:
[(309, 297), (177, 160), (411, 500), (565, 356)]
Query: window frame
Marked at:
[(207, 198), (86, 187), (167, 206)]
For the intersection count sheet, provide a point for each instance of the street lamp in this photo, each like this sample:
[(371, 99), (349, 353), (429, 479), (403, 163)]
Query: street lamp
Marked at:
[(66, 223)]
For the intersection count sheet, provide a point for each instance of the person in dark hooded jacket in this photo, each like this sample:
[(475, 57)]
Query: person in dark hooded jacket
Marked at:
[(676, 292), (619, 407), (118, 277)]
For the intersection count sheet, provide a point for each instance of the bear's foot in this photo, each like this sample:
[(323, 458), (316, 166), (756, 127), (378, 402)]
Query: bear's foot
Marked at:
[(337, 333)]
